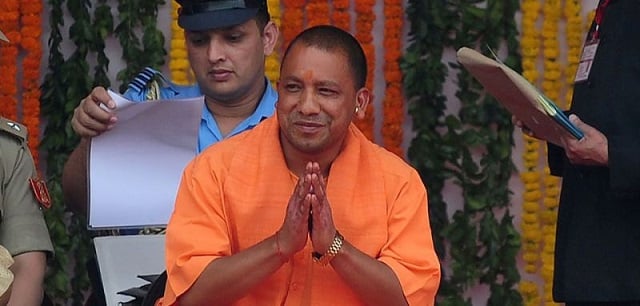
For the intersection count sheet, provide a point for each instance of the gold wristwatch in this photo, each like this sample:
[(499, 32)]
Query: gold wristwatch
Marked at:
[(333, 250)]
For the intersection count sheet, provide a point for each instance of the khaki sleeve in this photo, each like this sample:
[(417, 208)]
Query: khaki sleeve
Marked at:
[(22, 228)]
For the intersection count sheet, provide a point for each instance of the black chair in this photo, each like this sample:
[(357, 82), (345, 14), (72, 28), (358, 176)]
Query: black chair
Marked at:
[(156, 290), (147, 294)]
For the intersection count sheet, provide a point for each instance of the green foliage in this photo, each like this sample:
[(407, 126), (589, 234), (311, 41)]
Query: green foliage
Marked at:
[(470, 148), (67, 81), (139, 53)]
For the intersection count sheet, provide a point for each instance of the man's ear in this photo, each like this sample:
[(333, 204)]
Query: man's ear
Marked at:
[(270, 37), (363, 96)]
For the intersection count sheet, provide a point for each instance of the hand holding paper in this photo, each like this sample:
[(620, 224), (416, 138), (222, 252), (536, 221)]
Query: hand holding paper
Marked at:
[(591, 150), (135, 167), (516, 94), (95, 114)]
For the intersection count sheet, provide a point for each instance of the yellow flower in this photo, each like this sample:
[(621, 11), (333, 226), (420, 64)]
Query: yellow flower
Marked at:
[(548, 216), (530, 257), (532, 196), (530, 176), (531, 268), (527, 287)]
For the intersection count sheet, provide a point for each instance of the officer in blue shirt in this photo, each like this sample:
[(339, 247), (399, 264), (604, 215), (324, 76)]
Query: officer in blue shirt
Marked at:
[(153, 85), (227, 42)]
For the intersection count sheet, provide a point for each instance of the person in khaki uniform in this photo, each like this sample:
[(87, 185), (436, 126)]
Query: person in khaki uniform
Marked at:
[(22, 227), (23, 231)]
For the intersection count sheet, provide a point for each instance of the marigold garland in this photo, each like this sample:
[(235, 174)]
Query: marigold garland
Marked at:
[(272, 62), (531, 237), (293, 13), (539, 218), (22, 24), (9, 23), (340, 15), (317, 12), (393, 105), (551, 86), (179, 67), (31, 32), (365, 18)]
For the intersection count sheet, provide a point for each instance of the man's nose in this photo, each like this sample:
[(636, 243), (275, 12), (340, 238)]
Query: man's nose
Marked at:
[(308, 104), (216, 51)]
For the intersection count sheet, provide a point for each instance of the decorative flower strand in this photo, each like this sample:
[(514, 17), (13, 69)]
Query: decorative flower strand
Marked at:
[(393, 105), (31, 33), (272, 62), (531, 237), (551, 86), (365, 18), (9, 23), (317, 12), (293, 13), (179, 66), (340, 15)]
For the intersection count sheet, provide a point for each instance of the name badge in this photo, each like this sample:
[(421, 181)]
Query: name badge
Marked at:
[(588, 54)]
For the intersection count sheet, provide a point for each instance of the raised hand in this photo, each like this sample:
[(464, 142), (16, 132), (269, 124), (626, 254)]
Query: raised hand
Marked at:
[(294, 231), (94, 115), (323, 228)]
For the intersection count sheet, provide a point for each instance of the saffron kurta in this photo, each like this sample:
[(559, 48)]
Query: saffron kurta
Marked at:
[(235, 194)]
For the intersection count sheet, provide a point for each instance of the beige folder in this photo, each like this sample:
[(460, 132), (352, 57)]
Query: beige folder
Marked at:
[(519, 97)]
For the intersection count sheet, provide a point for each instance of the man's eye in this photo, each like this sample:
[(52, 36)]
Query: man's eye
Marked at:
[(234, 37), (292, 87), (198, 41), (326, 92)]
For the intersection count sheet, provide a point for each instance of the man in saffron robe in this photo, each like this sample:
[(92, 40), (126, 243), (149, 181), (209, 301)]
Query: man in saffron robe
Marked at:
[(303, 209)]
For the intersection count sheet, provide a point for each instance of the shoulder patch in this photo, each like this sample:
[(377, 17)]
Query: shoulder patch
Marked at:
[(13, 128), (40, 191)]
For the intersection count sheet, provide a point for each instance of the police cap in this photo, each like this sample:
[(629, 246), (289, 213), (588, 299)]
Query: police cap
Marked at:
[(195, 15)]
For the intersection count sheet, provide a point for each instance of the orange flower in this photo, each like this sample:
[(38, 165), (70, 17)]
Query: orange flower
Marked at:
[(340, 4), (365, 17), (317, 13), (30, 12), (293, 17), (9, 23), (341, 19), (296, 4)]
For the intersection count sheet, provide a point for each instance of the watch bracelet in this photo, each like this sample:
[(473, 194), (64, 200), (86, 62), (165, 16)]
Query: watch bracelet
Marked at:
[(334, 248)]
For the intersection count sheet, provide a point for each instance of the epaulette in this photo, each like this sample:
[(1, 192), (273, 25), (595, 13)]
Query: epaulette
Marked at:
[(13, 128), (148, 82), (141, 81)]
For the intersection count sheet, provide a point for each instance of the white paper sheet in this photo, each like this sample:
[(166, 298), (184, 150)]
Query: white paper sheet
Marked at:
[(135, 168)]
